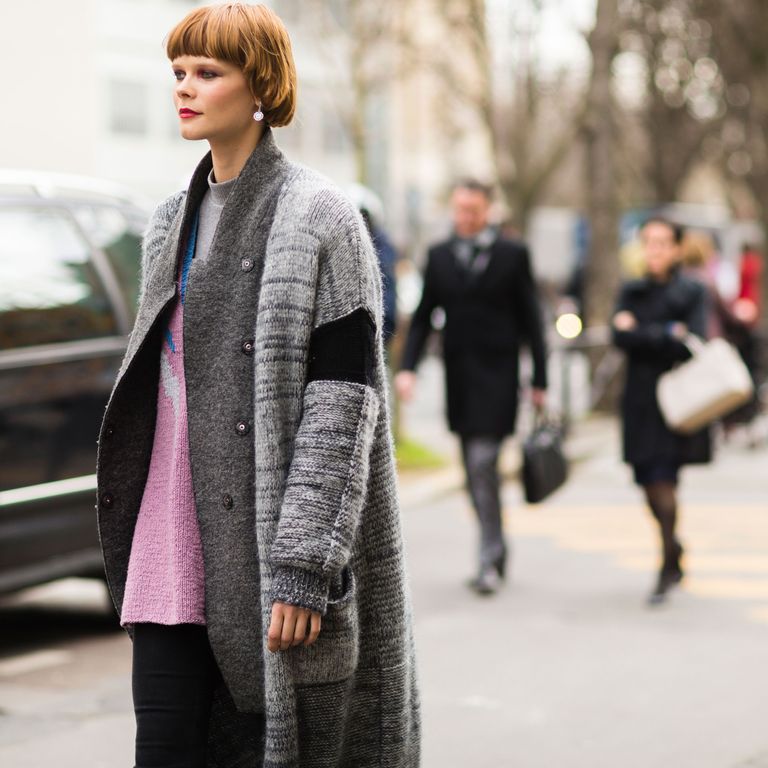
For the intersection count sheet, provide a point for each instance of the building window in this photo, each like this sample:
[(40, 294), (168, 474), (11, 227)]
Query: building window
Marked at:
[(128, 107)]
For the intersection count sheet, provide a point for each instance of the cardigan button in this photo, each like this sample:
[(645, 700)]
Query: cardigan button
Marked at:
[(107, 500), (109, 431), (242, 428), (246, 265), (227, 501), (247, 347)]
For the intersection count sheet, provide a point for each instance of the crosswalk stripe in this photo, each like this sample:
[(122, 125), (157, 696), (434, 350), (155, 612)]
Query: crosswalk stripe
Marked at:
[(727, 544)]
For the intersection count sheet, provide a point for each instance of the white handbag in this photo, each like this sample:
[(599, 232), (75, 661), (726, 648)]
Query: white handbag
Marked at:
[(701, 390)]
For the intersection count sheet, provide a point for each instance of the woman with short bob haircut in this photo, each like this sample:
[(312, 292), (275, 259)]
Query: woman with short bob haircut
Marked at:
[(246, 489)]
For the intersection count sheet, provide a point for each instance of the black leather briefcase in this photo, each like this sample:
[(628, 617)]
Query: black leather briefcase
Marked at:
[(545, 467)]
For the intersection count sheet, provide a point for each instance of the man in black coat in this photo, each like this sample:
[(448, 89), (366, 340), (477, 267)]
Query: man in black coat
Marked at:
[(485, 286)]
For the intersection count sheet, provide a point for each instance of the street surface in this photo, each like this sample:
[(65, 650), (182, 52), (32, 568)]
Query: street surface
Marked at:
[(566, 668)]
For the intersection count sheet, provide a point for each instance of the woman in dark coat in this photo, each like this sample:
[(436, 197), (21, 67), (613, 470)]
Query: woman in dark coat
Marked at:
[(247, 497), (653, 317)]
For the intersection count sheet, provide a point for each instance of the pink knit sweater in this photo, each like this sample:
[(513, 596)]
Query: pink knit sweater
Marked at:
[(165, 582)]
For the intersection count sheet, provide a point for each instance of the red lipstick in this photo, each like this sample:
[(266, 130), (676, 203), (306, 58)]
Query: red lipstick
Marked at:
[(186, 112)]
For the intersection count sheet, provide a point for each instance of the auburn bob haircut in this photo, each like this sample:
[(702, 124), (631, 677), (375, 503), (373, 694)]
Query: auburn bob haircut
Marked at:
[(251, 37)]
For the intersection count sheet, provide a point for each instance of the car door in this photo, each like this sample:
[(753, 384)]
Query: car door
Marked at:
[(63, 329)]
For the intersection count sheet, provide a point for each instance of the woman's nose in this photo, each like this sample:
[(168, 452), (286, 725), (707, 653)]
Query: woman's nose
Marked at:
[(184, 86)]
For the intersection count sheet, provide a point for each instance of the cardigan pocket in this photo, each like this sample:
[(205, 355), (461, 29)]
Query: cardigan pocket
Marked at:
[(382, 721), (333, 657), (322, 716)]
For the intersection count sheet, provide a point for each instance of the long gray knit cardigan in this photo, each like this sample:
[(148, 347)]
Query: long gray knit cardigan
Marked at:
[(294, 482)]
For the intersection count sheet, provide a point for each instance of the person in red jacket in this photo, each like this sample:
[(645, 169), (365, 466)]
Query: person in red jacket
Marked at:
[(740, 327), (750, 273)]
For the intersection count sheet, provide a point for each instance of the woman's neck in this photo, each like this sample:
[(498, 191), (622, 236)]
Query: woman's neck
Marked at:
[(229, 158)]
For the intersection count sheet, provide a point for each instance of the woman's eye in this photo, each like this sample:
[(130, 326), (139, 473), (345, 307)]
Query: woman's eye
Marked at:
[(178, 74), (207, 74)]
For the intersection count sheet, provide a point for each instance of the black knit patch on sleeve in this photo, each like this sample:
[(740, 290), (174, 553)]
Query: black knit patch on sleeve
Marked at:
[(344, 350)]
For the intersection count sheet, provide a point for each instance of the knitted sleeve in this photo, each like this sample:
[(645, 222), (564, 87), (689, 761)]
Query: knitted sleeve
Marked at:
[(156, 233), (328, 478)]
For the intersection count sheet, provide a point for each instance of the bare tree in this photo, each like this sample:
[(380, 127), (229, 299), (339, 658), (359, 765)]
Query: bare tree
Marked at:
[(741, 53), (684, 89), (371, 44), (530, 133)]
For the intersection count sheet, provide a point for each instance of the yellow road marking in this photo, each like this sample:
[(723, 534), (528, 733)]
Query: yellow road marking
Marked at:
[(727, 545), (698, 564), (733, 589), (759, 614)]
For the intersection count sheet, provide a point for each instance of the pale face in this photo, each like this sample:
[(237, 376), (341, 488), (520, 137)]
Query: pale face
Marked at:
[(213, 100), (660, 249), (470, 209)]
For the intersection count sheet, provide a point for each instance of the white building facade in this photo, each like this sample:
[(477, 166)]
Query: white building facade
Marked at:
[(91, 95)]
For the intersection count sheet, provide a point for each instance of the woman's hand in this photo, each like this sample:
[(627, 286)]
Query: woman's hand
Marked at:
[(679, 331), (539, 398), (291, 626), (624, 321), (405, 384)]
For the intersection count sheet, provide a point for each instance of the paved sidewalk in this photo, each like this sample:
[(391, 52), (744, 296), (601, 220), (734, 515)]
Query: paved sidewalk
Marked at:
[(568, 666)]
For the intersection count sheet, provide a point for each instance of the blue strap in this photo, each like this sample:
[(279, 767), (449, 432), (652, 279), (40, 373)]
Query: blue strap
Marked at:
[(190, 252)]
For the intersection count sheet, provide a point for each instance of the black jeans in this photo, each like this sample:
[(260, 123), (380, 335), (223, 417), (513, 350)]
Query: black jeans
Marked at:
[(174, 677)]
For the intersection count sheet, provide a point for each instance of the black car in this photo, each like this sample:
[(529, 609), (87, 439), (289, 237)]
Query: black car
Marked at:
[(69, 265)]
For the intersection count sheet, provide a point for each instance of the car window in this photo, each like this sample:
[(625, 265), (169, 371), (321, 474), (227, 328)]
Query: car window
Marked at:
[(110, 230), (49, 289)]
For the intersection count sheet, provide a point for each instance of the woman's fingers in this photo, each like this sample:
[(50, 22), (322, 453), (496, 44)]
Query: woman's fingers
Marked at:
[(291, 625), (314, 628), (290, 614), (275, 628), (300, 633)]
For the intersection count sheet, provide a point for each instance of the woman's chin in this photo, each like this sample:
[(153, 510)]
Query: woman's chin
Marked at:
[(189, 133)]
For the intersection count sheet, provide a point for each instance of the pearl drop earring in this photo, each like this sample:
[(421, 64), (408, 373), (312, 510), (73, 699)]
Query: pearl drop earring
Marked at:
[(258, 115)]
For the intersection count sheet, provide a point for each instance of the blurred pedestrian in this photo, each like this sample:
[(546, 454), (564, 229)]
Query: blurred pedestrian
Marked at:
[(247, 510), (372, 211), (698, 262), (654, 316), (740, 328), (485, 286), (750, 283)]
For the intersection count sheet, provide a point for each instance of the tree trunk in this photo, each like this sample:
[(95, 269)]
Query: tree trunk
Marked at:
[(601, 275), (602, 268)]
